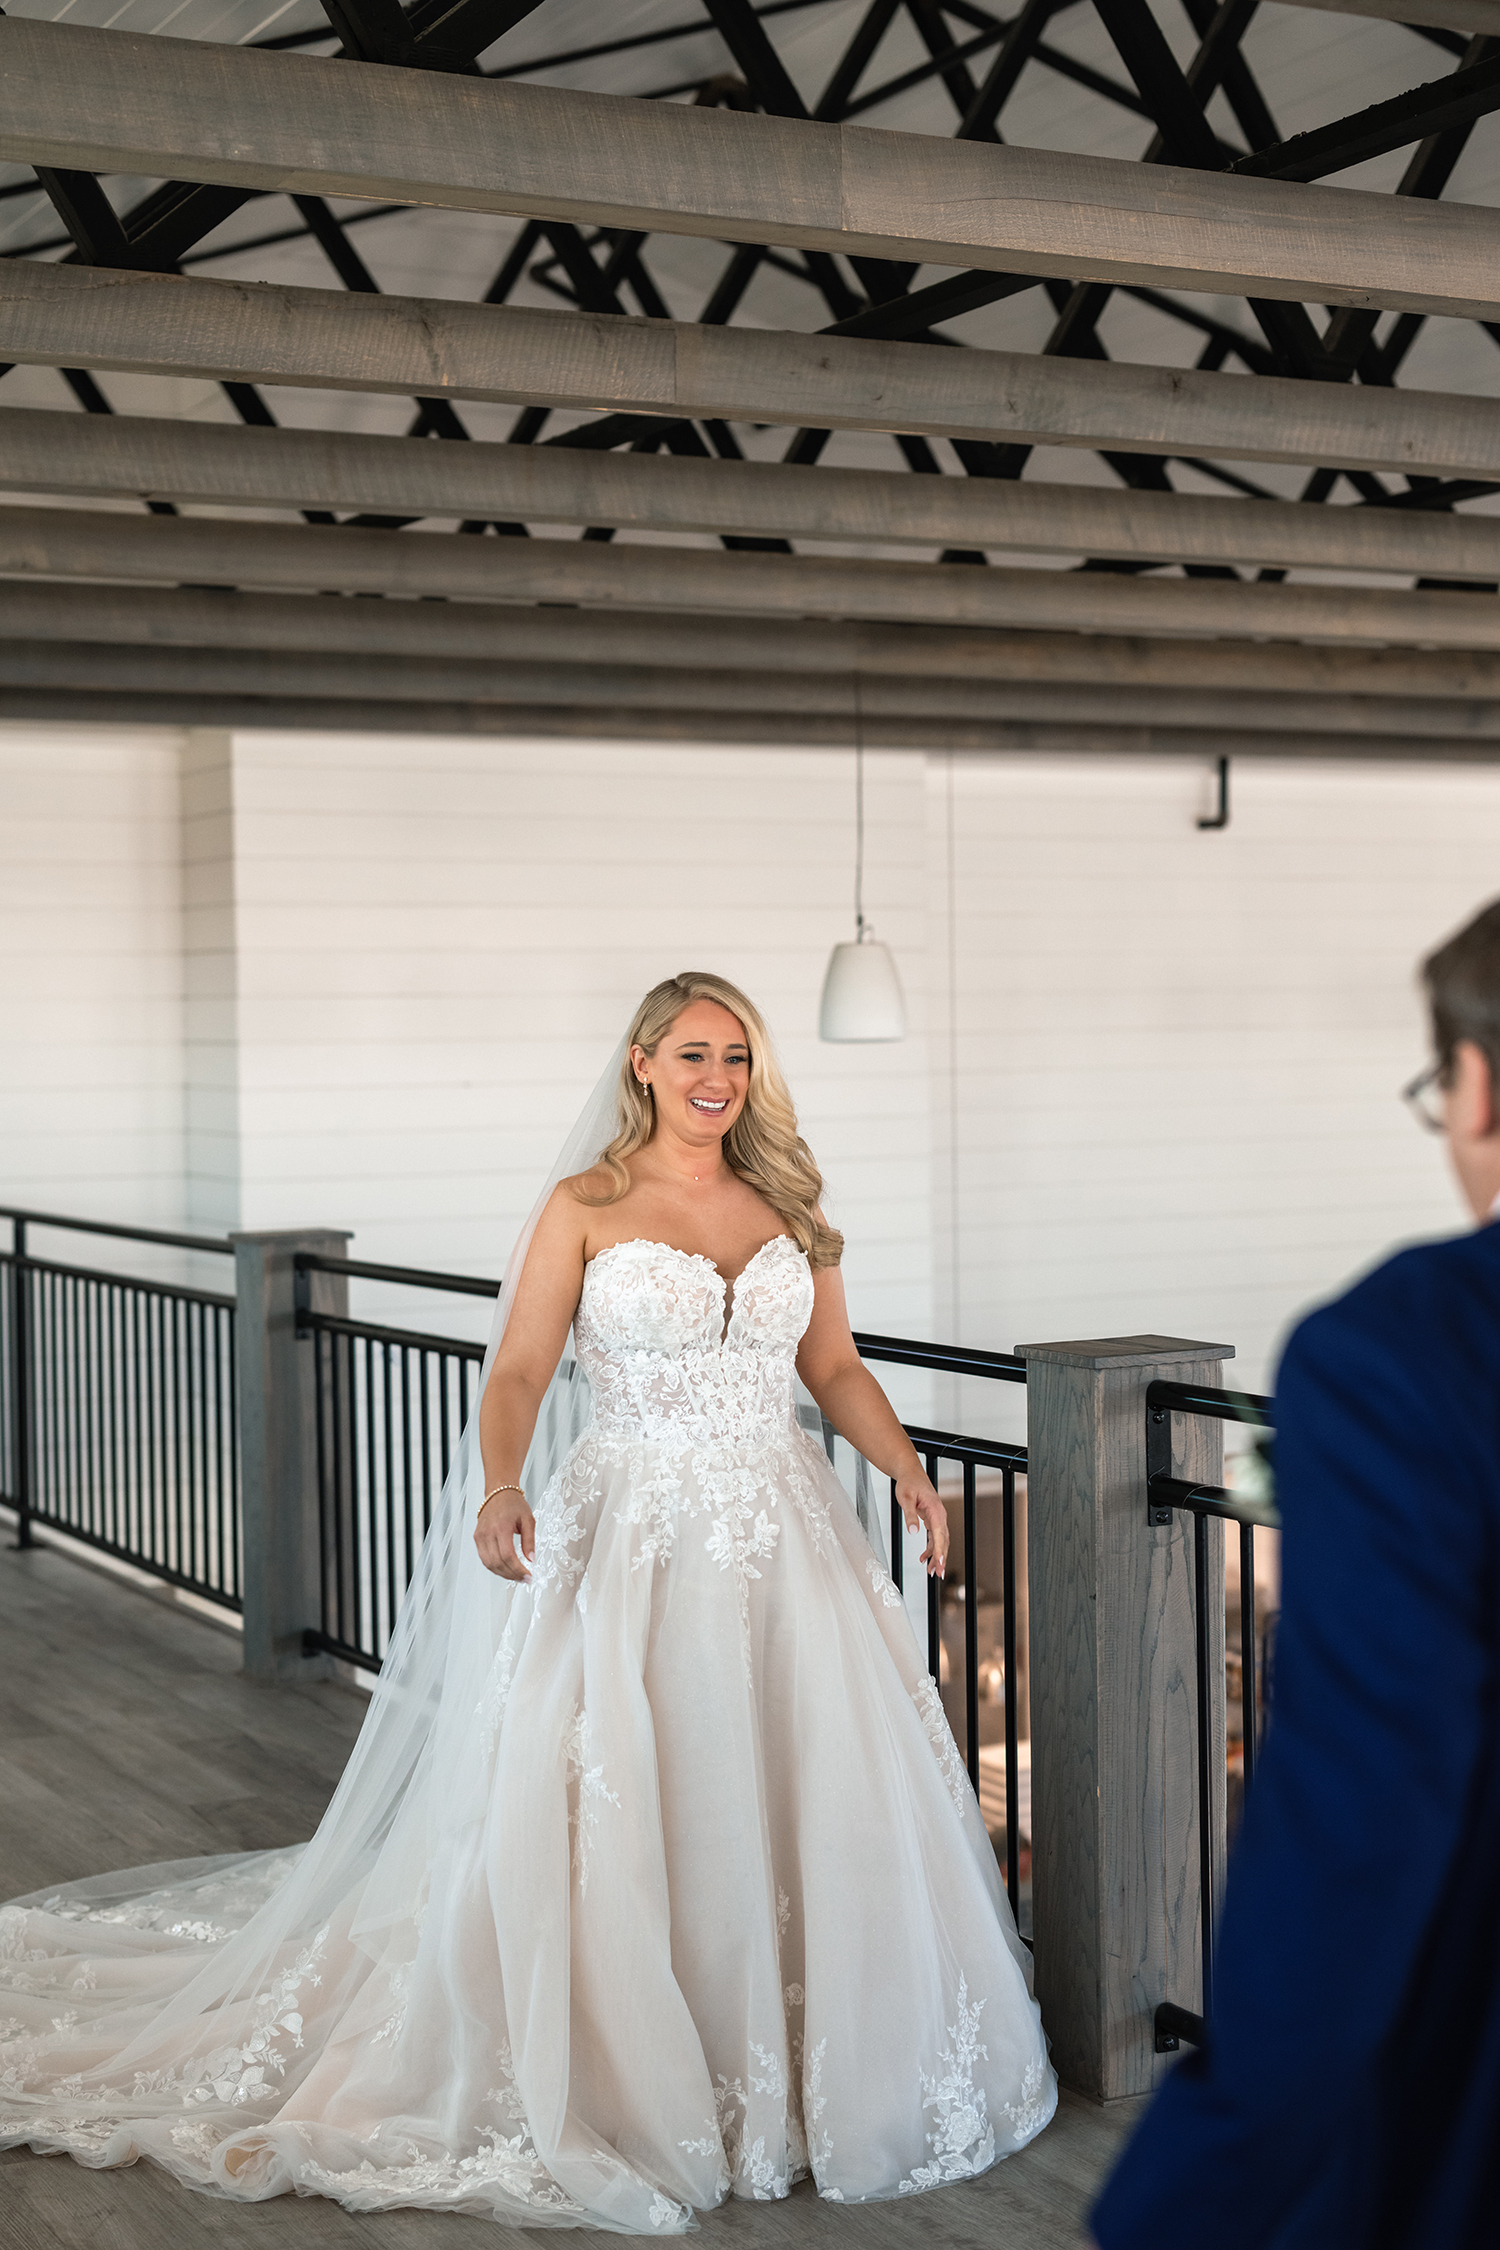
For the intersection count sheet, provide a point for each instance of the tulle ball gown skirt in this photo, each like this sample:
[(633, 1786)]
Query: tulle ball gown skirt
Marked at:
[(681, 1890)]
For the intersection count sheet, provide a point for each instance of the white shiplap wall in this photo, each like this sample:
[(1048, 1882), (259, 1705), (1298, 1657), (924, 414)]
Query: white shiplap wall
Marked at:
[(1165, 1068), (91, 1038)]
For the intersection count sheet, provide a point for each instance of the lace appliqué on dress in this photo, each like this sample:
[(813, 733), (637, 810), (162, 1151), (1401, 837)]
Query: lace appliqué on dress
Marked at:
[(490, 1709), (1028, 2115), (883, 1583), (559, 1528), (935, 1719), (587, 1778), (507, 2162), (236, 2075), (819, 2142), (750, 2168), (962, 2140)]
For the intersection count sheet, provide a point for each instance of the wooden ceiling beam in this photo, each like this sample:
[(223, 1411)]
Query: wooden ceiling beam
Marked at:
[(156, 324), (115, 706), (110, 667), (113, 456), (125, 103), (198, 618), (176, 550)]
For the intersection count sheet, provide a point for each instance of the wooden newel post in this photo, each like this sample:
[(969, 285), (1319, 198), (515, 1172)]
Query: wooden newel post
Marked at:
[(278, 1445), (1113, 1747)]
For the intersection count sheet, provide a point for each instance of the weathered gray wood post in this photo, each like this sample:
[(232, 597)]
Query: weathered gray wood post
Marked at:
[(278, 1445), (1113, 1760)]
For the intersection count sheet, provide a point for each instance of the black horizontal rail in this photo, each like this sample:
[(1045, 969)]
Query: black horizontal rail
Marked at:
[(1219, 1406), (945, 1359), (983, 1453), (315, 1642), (413, 1277), (218, 1243), (127, 1554), (1167, 1493), (415, 1339), (179, 1292)]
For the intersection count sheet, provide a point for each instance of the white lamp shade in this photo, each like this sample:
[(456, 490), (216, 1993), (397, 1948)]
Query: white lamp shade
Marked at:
[(862, 996)]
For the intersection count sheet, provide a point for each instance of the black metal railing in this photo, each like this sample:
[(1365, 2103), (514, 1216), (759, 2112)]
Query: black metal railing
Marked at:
[(1164, 1494), (390, 1403), (118, 1414)]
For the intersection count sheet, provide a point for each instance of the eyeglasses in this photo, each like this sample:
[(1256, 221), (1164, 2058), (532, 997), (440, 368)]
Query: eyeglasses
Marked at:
[(1424, 1098)]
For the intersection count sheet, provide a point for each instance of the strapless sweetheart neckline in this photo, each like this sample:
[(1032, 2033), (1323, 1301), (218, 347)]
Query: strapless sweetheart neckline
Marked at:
[(696, 1257)]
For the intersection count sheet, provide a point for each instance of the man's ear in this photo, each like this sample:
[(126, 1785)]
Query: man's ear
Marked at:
[(1476, 1109)]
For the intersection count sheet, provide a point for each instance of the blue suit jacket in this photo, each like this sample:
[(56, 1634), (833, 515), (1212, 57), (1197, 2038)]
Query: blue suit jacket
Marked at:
[(1350, 2090)]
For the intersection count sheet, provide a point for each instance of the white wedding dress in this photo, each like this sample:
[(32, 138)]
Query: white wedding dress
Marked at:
[(702, 1902)]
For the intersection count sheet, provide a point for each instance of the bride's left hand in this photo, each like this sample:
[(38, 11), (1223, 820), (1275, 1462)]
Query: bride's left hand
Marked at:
[(920, 1504)]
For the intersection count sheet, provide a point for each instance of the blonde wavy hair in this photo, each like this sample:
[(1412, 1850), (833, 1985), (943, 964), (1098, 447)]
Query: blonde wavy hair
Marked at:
[(762, 1147)]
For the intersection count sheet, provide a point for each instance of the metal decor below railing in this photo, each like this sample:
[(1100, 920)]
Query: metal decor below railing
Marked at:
[(1164, 1494), (118, 1414)]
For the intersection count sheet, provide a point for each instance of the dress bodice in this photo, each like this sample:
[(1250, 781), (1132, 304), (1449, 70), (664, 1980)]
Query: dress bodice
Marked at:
[(668, 1352)]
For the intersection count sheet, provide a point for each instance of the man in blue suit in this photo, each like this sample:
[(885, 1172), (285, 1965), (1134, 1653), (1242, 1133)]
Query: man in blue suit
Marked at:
[(1349, 2093)]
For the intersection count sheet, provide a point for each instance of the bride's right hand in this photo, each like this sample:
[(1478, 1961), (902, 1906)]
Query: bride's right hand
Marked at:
[(495, 1534)]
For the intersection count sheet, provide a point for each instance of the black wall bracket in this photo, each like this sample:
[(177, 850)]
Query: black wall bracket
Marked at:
[(1220, 819)]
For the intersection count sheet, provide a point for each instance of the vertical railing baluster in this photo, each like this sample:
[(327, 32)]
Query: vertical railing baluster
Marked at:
[(20, 1383), (1012, 1745), (408, 1544), (971, 1625), (369, 1575), (392, 1560), (426, 1373), (88, 1509), (159, 1436), (1248, 1701), (339, 1351), (49, 1342), (322, 1344), (116, 1435), (232, 1427), (443, 1414), (202, 1515), (221, 1461), (934, 1602), (70, 1481), (93, 1517), (898, 1542), (131, 1378), (182, 1428), (1205, 1748)]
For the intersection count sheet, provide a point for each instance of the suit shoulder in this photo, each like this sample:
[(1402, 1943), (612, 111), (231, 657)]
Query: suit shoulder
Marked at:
[(1431, 1300)]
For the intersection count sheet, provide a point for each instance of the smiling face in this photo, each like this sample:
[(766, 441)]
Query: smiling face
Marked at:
[(699, 1075)]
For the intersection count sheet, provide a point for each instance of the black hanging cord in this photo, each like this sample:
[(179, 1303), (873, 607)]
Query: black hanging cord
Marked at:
[(859, 815)]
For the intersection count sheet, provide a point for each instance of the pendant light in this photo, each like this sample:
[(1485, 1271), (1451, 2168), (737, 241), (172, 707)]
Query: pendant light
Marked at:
[(862, 997)]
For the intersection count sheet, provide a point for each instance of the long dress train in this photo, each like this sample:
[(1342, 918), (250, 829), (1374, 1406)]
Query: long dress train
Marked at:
[(703, 1901)]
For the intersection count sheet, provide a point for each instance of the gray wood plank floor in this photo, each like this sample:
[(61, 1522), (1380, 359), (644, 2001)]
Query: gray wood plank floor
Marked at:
[(127, 1734)]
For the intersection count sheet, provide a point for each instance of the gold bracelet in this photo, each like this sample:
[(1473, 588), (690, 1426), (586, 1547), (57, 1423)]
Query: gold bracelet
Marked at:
[(489, 1496)]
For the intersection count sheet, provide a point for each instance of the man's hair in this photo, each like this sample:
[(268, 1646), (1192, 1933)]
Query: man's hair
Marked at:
[(1463, 990)]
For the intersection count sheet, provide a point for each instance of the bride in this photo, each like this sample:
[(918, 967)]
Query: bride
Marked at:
[(655, 1875)]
